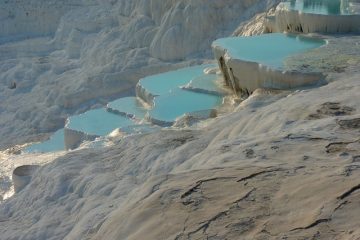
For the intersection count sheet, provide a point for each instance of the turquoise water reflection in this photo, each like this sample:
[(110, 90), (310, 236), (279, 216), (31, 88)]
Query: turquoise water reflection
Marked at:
[(178, 102), (269, 49), (97, 122), (129, 106), (163, 83), (55, 143)]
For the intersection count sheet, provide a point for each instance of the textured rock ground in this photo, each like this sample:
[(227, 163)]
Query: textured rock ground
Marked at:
[(283, 165)]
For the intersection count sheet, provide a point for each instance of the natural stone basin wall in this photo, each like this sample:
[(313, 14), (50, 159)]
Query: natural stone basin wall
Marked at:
[(245, 69), (315, 20), (73, 138), (22, 175)]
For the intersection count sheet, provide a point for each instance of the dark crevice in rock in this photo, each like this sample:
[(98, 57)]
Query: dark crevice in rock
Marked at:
[(245, 196), (314, 224), (199, 183), (205, 225), (302, 137), (331, 109), (348, 171), (258, 173), (349, 192), (340, 205), (349, 123), (337, 146)]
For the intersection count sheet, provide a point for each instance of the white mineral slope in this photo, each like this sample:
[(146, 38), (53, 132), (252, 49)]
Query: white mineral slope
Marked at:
[(68, 55), (282, 165)]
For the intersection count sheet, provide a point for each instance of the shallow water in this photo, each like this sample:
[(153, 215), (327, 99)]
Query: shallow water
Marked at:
[(268, 49), (178, 102), (55, 143), (129, 106), (98, 122), (161, 84), (325, 7), (205, 83)]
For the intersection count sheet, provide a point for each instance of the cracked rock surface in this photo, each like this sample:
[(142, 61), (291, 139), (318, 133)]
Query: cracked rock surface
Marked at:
[(265, 171)]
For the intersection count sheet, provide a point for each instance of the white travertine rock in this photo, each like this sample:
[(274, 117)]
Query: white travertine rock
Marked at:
[(73, 139), (295, 21), (263, 166), (22, 176)]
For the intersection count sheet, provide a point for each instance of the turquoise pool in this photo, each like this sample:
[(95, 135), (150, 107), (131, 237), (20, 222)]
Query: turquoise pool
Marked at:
[(178, 102), (163, 83), (268, 49), (98, 122), (325, 7), (205, 83), (55, 143), (128, 106)]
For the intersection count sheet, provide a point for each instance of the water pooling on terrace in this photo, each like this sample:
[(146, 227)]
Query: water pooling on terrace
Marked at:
[(53, 144), (168, 107), (171, 102), (128, 106), (97, 122), (206, 83), (163, 83), (325, 7), (269, 49), (184, 91)]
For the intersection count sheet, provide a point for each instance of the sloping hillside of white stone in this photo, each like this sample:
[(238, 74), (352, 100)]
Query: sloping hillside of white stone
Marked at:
[(282, 165)]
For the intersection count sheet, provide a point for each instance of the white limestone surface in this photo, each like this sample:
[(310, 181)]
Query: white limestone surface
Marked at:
[(274, 163)]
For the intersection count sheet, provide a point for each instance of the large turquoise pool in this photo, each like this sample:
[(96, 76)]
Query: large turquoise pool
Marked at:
[(98, 122), (178, 102), (325, 7), (268, 49), (163, 83), (55, 143)]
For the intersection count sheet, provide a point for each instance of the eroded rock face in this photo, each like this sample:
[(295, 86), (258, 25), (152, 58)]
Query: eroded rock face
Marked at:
[(331, 109)]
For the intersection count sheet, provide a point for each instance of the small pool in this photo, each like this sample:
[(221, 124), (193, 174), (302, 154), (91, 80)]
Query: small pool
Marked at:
[(205, 83), (268, 49), (171, 106), (55, 143), (129, 106), (161, 84), (324, 7), (97, 122)]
